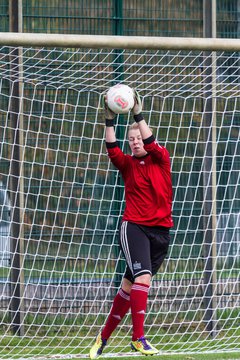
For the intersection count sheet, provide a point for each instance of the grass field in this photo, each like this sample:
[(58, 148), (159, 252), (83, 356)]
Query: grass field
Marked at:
[(215, 356), (67, 347), (225, 356)]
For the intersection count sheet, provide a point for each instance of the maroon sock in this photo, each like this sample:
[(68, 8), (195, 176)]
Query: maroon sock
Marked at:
[(138, 301), (120, 307)]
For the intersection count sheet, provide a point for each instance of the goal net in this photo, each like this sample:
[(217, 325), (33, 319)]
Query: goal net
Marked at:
[(61, 200)]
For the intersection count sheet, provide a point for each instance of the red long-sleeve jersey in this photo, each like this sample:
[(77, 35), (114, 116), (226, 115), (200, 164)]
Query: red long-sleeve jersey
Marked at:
[(148, 184)]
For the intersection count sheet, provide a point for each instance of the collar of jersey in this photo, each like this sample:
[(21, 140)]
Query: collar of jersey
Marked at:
[(140, 157)]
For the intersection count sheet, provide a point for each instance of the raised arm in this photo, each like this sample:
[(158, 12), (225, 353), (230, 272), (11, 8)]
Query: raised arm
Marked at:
[(109, 119), (144, 129), (114, 152), (157, 151), (138, 117), (110, 134)]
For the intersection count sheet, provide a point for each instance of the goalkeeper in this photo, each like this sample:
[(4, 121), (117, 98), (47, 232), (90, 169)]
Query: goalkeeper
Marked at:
[(144, 231)]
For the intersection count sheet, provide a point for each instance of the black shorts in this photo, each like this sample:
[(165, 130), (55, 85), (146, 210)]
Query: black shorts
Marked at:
[(144, 248)]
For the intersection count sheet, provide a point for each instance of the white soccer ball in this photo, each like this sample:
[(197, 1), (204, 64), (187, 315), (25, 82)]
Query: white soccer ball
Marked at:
[(120, 98)]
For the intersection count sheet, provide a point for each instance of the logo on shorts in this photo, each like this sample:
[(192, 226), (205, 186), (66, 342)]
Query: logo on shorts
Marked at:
[(137, 265)]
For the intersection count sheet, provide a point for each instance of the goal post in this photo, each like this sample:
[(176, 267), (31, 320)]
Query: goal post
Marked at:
[(118, 42), (61, 264)]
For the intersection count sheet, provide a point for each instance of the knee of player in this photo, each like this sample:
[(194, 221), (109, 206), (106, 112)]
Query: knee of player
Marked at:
[(126, 285), (144, 279)]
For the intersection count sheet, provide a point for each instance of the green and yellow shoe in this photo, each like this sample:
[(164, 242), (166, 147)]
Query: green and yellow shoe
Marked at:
[(143, 346), (98, 347)]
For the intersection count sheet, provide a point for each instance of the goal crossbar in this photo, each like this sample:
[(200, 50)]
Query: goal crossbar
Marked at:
[(118, 42)]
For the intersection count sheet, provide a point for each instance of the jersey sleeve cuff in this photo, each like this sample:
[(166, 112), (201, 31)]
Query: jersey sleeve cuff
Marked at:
[(149, 140), (111, 145)]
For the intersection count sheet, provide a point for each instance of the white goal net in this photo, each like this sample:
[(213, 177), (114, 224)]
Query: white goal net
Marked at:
[(61, 199)]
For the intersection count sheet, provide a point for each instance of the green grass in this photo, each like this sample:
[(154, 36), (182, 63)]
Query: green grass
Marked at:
[(55, 336), (71, 347), (216, 356)]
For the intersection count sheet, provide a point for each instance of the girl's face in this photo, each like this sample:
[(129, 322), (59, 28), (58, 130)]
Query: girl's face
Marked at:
[(136, 143)]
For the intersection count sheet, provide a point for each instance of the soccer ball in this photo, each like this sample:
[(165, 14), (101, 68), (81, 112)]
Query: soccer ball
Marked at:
[(120, 98)]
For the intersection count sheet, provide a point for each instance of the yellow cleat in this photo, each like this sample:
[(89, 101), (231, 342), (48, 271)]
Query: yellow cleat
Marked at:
[(98, 347), (143, 346)]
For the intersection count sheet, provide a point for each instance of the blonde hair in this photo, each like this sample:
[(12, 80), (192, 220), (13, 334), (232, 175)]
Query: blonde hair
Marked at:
[(135, 126)]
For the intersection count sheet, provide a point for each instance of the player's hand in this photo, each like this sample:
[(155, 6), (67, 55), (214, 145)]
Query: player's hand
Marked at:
[(137, 109), (109, 114)]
